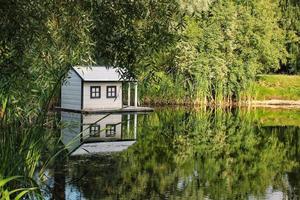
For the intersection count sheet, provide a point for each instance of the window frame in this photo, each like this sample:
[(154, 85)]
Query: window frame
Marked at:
[(115, 91), (94, 133), (108, 131), (91, 92)]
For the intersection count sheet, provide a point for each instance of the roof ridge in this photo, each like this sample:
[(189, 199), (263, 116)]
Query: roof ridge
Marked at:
[(98, 73)]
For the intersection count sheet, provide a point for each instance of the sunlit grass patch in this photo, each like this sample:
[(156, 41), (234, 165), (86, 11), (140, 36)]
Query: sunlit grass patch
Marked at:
[(283, 87)]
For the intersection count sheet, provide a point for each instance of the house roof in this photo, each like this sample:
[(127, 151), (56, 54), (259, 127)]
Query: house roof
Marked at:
[(98, 73)]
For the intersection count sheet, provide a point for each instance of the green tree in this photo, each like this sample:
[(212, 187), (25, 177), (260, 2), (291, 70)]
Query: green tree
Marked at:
[(221, 50), (39, 43), (290, 22)]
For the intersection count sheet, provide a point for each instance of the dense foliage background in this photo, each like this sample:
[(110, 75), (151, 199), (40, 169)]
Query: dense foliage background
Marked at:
[(204, 51), (201, 51)]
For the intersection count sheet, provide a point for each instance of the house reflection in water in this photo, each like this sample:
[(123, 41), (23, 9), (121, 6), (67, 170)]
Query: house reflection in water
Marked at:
[(85, 134)]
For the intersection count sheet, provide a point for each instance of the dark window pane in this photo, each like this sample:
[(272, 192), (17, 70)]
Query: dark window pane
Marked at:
[(111, 91), (95, 92)]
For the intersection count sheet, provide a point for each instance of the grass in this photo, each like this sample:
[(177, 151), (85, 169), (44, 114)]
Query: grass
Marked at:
[(23, 150), (281, 87)]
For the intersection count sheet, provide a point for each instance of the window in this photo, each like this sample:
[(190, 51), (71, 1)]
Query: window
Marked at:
[(95, 92), (110, 130), (95, 130), (111, 92)]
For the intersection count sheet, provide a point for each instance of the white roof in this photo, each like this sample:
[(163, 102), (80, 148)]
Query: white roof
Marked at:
[(98, 73)]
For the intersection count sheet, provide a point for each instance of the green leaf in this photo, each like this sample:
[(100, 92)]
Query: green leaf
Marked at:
[(21, 194), (4, 181)]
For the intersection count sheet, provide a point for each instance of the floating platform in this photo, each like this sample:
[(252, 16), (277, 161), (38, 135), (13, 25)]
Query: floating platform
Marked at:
[(127, 109)]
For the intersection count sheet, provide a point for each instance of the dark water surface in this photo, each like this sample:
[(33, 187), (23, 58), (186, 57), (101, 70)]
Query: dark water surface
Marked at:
[(179, 154)]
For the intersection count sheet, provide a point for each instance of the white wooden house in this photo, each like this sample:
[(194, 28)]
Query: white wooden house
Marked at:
[(94, 88)]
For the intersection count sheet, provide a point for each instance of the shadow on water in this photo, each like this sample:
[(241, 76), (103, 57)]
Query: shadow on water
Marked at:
[(180, 153)]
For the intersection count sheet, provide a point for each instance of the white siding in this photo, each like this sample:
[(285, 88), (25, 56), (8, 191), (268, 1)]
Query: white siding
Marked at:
[(103, 102), (111, 119), (71, 92)]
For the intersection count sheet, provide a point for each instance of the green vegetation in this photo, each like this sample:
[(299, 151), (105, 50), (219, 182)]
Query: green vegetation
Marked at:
[(207, 51), (202, 51), (281, 87), (192, 154), (290, 23), (25, 154), (21, 151), (6, 194), (219, 53)]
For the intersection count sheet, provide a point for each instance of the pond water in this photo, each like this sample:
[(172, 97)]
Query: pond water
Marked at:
[(179, 153)]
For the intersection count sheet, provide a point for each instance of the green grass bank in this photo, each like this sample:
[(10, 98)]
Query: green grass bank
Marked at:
[(281, 87)]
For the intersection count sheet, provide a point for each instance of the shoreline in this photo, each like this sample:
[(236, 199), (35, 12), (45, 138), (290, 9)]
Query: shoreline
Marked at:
[(273, 103)]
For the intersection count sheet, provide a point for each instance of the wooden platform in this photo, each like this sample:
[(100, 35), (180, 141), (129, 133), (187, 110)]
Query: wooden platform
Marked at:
[(127, 109)]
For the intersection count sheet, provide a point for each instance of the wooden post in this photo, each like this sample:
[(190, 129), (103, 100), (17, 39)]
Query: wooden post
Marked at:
[(135, 94), (128, 101)]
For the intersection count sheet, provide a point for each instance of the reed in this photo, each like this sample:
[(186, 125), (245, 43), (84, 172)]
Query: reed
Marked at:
[(23, 150)]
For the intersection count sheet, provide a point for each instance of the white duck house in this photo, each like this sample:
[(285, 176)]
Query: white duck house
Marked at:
[(95, 88)]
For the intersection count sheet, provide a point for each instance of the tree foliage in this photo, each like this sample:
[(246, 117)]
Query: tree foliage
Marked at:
[(221, 50), (40, 40), (290, 23), (201, 50)]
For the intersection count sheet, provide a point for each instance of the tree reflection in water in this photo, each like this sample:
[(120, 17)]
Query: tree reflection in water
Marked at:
[(218, 154)]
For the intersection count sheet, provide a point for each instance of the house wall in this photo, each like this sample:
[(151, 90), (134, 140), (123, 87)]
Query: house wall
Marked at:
[(111, 119), (71, 92), (103, 102)]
